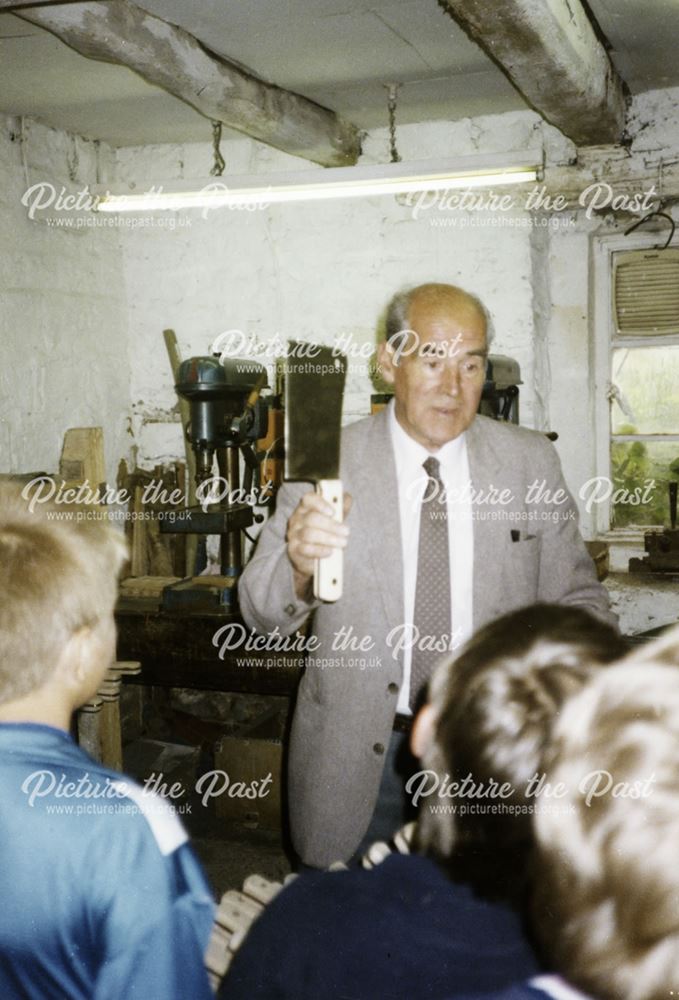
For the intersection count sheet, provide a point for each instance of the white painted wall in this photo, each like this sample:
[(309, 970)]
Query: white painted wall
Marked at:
[(653, 128), (316, 271), (84, 312), (63, 324)]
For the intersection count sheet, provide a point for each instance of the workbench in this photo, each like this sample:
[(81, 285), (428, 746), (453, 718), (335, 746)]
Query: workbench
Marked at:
[(176, 649)]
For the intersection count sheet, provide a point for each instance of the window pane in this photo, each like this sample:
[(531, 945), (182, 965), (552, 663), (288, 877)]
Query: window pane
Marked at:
[(635, 498), (648, 381)]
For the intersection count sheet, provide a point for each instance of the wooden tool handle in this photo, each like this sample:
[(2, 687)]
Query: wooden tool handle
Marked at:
[(328, 572)]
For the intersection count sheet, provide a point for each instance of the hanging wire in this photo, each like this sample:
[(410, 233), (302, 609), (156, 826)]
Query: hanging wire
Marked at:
[(219, 161), (653, 215), (392, 89)]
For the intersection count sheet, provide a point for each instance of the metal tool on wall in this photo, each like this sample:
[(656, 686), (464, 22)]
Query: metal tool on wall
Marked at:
[(314, 389)]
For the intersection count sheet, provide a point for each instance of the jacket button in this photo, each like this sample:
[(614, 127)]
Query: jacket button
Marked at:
[(379, 748), (290, 609), (392, 688)]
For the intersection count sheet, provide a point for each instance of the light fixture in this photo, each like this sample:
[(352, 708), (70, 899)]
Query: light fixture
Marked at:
[(334, 182)]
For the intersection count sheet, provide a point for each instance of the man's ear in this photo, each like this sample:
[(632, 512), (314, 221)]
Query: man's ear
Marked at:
[(385, 362), (423, 731)]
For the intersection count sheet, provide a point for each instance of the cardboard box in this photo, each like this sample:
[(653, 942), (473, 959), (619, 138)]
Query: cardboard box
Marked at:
[(251, 762)]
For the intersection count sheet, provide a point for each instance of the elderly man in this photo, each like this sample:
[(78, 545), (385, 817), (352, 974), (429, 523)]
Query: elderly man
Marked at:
[(455, 519)]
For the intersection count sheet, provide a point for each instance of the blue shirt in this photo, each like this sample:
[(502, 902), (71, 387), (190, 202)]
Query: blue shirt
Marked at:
[(101, 896)]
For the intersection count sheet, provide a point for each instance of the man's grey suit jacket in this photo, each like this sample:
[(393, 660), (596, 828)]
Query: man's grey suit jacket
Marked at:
[(347, 698)]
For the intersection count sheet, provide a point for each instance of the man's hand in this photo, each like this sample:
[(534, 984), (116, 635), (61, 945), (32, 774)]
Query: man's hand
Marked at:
[(312, 534)]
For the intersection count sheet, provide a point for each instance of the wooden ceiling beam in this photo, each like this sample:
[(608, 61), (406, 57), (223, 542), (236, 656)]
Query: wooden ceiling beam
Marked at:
[(7, 4), (119, 32), (551, 53)]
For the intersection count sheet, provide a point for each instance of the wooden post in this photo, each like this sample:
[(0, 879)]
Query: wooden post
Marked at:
[(170, 338), (99, 720)]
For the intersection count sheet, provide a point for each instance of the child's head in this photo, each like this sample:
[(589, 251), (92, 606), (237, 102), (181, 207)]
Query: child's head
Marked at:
[(607, 889), (490, 715), (58, 582)]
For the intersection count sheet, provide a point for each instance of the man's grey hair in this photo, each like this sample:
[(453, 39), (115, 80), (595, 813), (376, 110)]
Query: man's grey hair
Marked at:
[(397, 311)]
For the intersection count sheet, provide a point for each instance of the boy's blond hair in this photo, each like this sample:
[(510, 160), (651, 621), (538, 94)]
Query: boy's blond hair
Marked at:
[(57, 574), (606, 882)]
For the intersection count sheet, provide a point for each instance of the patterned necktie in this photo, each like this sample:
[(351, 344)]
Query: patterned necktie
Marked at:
[(432, 591)]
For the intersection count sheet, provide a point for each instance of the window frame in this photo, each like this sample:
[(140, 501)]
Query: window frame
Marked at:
[(603, 342)]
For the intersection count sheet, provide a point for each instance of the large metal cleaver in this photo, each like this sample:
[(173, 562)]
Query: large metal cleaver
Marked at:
[(314, 387)]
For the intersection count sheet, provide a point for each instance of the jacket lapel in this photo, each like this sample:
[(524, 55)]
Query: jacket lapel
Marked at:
[(377, 493), (483, 469)]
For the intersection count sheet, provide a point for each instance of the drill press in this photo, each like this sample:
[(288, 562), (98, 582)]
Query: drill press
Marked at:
[(227, 418)]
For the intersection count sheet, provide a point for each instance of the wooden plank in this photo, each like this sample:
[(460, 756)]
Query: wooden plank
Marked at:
[(171, 58), (191, 545), (110, 734), (235, 915), (82, 456), (604, 179), (603, 174), (98, 722), (139, 561), (550, 52), (146, 586), (8, 4), (89, 728)]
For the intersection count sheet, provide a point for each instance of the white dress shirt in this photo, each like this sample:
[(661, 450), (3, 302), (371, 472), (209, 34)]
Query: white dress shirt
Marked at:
[(556, 987), (412, 480)]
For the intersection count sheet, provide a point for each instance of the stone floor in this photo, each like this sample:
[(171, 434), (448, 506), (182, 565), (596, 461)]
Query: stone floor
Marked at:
[(230, 856)]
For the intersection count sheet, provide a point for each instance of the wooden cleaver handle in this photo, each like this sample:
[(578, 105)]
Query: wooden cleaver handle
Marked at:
[(328, 572)]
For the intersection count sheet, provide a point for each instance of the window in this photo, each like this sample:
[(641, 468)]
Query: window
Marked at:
[(637, 381)]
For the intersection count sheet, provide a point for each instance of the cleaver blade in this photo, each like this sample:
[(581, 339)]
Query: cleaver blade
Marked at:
[(314, 388)]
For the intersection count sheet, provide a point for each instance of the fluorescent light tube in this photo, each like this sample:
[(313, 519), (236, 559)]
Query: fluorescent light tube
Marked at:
[(334, 182)]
